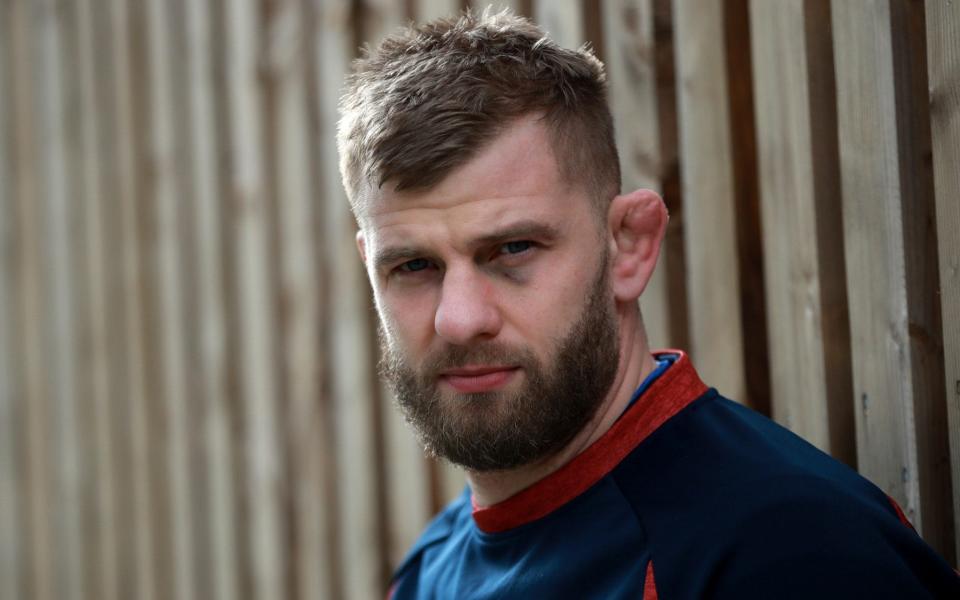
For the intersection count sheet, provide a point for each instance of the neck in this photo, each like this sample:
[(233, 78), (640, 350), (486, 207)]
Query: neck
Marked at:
[(634, 364)]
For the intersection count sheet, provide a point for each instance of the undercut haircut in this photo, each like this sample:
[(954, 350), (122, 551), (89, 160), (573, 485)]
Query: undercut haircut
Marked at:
[(428, 99)]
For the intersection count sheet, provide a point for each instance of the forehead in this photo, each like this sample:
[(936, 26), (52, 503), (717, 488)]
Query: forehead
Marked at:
[(513, 177)]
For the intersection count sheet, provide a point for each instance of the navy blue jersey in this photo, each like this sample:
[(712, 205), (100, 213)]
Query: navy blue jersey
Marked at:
[(688, 495)]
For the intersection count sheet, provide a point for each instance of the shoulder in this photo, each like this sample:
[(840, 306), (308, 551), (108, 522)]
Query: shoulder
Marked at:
[(737, 506), (807, 536), (435, 536)]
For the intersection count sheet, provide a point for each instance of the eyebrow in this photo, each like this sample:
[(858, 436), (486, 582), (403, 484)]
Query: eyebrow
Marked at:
[(526, 229)]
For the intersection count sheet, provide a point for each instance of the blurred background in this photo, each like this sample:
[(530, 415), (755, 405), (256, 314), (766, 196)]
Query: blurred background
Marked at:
[(188, 401)]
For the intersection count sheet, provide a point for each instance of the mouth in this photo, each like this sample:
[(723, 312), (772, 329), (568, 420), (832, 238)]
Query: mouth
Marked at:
[(472, 380)]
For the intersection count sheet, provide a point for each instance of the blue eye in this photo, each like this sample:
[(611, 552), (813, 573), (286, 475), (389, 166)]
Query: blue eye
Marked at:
[(417, 264), (516, 247)]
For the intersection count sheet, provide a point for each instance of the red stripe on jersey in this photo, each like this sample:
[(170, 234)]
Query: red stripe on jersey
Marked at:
[(903, 518), (649, 586), (677, 387)]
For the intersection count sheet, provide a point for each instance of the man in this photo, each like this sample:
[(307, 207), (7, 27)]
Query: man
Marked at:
[(506, 265)]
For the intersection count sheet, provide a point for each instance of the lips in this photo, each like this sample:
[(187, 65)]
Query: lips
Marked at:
[(472, 380)]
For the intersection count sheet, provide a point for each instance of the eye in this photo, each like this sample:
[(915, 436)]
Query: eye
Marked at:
[(517, 247), (412, 266)]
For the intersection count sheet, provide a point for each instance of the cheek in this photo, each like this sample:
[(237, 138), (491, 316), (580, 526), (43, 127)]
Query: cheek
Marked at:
[(408, 319), (544, 314)]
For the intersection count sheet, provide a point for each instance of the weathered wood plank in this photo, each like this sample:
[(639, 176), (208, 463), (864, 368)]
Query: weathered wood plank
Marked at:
[(186, 456), (57, 325), (12, 408), (248, 225), (91, 415), (216, 484), (891, 255), (943, 64), (378, 19), (354, 393), (639, 64), (40, 575), (708, 190), (287, 27), (149, 196), (799, 177), (562, 20), (122, 308), (95, 350), (323, 416), (427, 10), (162, 195)]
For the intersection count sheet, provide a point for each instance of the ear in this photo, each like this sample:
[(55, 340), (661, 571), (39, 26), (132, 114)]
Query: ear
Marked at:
[(362, 246), (638, 222)]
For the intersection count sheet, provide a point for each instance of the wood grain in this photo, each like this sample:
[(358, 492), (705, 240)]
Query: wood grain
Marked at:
[(248, 228), (708, 190), (427, 10), (126, 398), (12, 491), (202, 146), (943, 64), (40, 572), (562, 20), (806, 284), (890, 242)]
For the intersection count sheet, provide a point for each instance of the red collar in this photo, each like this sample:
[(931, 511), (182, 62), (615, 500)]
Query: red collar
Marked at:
[(677, 387)]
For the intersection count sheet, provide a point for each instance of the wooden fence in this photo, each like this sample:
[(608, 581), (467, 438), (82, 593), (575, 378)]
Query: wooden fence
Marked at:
[(188, 400)]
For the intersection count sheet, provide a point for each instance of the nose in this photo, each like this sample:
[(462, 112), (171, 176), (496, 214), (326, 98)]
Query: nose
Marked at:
[(467, 310)]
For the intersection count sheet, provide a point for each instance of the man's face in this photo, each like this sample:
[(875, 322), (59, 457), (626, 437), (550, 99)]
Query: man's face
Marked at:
[(497, 319)]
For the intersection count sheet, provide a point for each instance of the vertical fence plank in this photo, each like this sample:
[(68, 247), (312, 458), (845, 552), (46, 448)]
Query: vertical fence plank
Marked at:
[(183, 148), (640, 70), (133, 500), (709, 195), (93, 418), (888, 217), (162, 194), (91, 348), (352, 386), (943, 63), (286, 67), (64, 228), (217, 533), (427, 10), (327, 58), (58, 296), (40, 572), (806, 284), (147, 95), (562, 20), (12, 492), (122, 310), (249, 231)]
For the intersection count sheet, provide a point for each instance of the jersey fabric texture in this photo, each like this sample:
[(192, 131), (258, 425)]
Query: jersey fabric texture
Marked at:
[(688, 495)]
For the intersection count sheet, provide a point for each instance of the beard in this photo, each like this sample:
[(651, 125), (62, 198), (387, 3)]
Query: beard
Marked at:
[(499, 430)]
